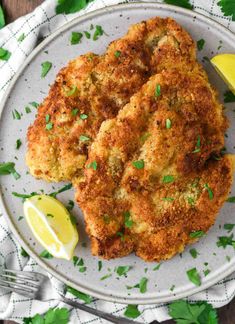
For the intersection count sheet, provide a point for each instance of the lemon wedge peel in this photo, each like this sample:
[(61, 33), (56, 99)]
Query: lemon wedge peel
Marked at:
[(225, 66), (39, 223)]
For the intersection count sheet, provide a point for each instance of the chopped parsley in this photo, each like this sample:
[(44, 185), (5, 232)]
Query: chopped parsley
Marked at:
[(191, 201), (138, 164), (46, 66), (87, 34), (47, 118), (100, 265), (106, 277), (127, 219), (194, 276), (46, 255), (98, 32), (21, 38), (168, 123), (144, 137), (117, 54), (229, 97), (72, 92), (64, 188), (18, 144), (16, 114), (196, 234), (184, 312), (198, 145), (4, 54), (229, 227), (49, 126), (193, 253), (75, 38), (20, 218), (170, 199), (71, 6), (121, 236), (75, 111), (157, 92), (93, 165), (27, 110), (122, 270), (23, 253), (210, 192), (132, 311), (224, 241), (157, 267), (84, 138), (200, 44), (70, 205), (9, 168), (206, 272), (231, 199), (77, 261), (143, 285), (50, 215), (86, 298), (83, 116), (23, 196), (168, 179), (34, 104)]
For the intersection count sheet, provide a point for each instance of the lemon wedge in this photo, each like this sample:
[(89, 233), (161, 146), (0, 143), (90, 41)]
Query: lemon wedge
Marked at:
[(225, 66), (51, 224)]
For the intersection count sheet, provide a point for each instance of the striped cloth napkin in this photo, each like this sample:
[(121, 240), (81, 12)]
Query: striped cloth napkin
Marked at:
[(39, 24)]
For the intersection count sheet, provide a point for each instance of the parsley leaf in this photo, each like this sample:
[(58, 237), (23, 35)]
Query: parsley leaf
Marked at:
[(157, 92), (168, 179), (117, 54), (87, 34), (98, 32), (72, 92), (100, 265), (75, 112), (84, 138), (24, 253), (224, 241), (196, 234), (16, 114), (210, 192), (180, 3), (4, 54), (93, 165), (21, 38), (127, 219), (46, 66), (122, 270), (75, 38), (132, 311), (194, 276), (231, 199), (46, 255), (200, 312), (58, 315), (198, 145), (83, 116), (168, 123), (138, 164), (86, 298), (157, 267), (71, 6), (227, 7), (2, 18), (229, 97), (200, 44), (70, 205), (9, 168), (193, 253), (229, 227)]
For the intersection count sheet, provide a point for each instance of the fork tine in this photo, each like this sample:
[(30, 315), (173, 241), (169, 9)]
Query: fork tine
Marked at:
[(20, 280), (14, 285), (26, 274), (18, 291)]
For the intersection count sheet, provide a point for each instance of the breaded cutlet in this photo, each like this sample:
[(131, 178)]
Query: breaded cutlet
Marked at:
[(155, 173), (93, 88)]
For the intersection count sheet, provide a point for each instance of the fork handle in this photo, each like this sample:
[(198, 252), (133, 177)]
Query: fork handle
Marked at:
[(96, 312)]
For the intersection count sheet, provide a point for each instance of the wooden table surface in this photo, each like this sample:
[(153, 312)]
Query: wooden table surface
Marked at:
[(16, 8)]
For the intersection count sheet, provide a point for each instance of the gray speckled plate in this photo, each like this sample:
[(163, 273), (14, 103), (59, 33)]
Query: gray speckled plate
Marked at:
[(28, 87)]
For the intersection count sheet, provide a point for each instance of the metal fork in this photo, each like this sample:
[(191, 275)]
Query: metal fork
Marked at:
[(33, 285)]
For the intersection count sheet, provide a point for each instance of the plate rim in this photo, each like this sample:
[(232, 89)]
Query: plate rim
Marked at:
[(7, 215)]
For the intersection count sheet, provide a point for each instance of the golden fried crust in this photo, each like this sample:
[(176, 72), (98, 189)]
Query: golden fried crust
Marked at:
[(164, 212), (104, 85)]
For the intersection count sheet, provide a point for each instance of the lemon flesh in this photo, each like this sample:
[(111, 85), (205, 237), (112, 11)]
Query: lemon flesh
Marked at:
[(225, 66), (50, 223)]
